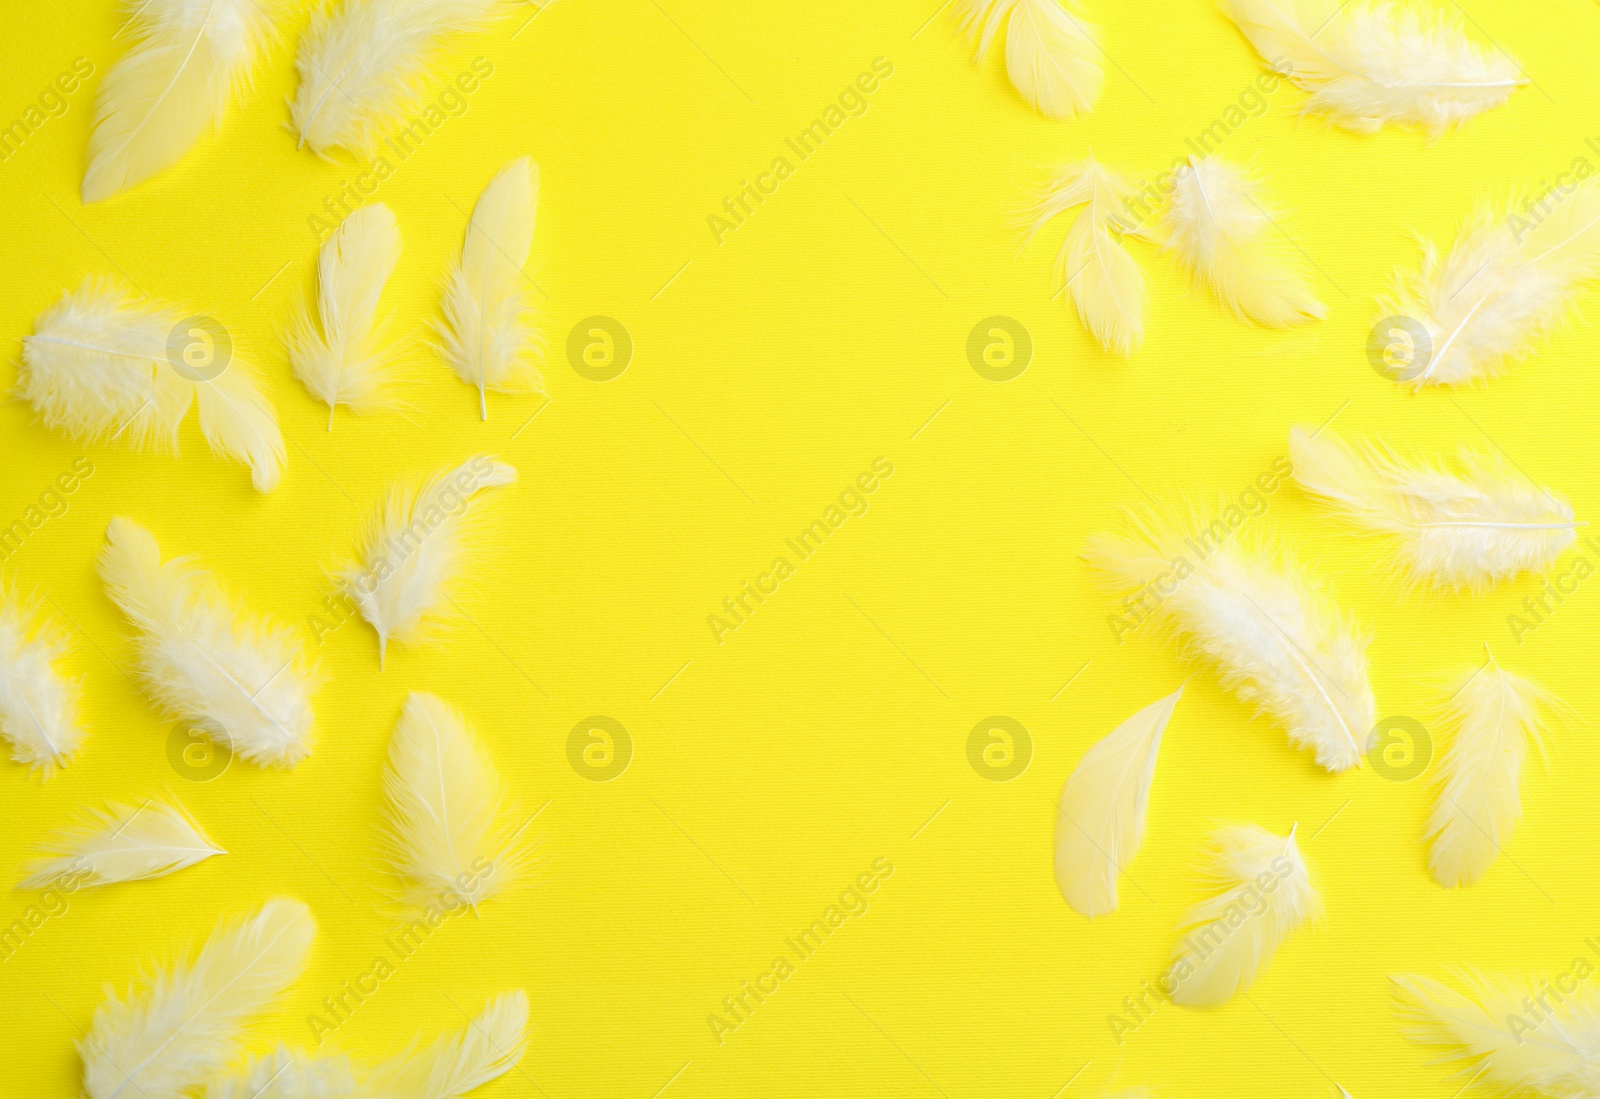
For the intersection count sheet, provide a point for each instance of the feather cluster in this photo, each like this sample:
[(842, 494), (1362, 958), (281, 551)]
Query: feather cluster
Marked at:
[(1052, 56), (38, 704), (124, 843)]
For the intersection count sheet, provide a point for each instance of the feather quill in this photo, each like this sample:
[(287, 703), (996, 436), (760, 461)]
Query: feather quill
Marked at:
[(1276, 642), (190, 58), (1372, 62), (486, 335), (241, 679), (1052, 56), (1100, 818), (184, 1026), (489, 1047), (38, 704), (124, 843), (1470, 529), (288, 1073), (1222, 233), (1266, 893)]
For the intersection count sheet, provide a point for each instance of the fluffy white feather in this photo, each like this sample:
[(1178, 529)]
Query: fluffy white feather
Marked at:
[(486, 334), (38, 703), (489, 1047), (1052, 56), (123, 843), (99, 366), (363, 63), (189, 58), (1100, 817), (1227, 239), (1470, 528), (414, 551), (240, 679), (1371, 62), (1265, 894), (1230, 599), (288, 1073), (337, 355), (184, 1026)]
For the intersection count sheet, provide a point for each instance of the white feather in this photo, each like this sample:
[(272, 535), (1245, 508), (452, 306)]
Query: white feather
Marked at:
[(486, 335), (1371, 62), (489, 1047), (337, 356), (241, 679), (1276, 642), (1265, 894), (184, 1026), (1052, 56), (1100, 818), (124, 843), (1473, 528), (38, 703), (414, 551), (288, 1073), (1229, 241), (189, 59), (99, 367)]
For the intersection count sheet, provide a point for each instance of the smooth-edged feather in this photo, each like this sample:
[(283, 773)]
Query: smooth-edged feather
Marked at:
[(486, 334), (363, 64), (286, 1073), (1471, 528), (337, 356), (1100, 817), (1265, 893), (1052, 56), (414, 551), (1227, 239), (489, 1047), (240, 679), (38, 702), (1371, 62), (123, 843), (99, 367), (1229, 597), (1507, 284), (183, 1027), (189, 59)]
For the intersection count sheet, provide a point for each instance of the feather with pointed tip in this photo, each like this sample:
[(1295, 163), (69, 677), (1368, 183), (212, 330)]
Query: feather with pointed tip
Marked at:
[(415, 549), (1266, 893), (488, 1047), (190, 58), (286, 1073), (240, 679), (1229, 598), (124, 843), (100, 365), (1471, 528), (184, 1026), (38, 704), (1052, 56), (1371, 62), (1228, 240), (1100, 817)]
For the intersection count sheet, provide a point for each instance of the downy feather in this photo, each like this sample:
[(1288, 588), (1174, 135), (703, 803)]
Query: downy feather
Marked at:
[(240, 679), (1226, 238), (1100, 817), (183, 1027), (1471, 528), (1275, 640), (288, 1073), (38, 703), (1370, 62), (415, 549), (100, 365), (189, 59), (1052, 56), (486, 334), (123, 843), (1231, 936), (489, 1047), (337, 355)]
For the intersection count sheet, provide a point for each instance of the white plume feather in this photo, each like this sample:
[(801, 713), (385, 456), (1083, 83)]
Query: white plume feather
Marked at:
[(288, 1073), (184, 1027), (124, 843), (1469, 529), (190, 58), (1371, 62), (486, 334), (1052, 56), (489, 1047), (1228, 240), (1266, 893), (239, 678), (38, 704), (1274, 640), (1100, 818), (415, 549)]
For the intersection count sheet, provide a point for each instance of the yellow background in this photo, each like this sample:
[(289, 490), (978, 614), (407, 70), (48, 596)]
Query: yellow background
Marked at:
[(830, 729)]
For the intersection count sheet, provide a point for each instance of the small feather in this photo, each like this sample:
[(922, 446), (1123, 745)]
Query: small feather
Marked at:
[(489, 1047), (38, 704), (1052, 56), (289, 1074), (124, 843)]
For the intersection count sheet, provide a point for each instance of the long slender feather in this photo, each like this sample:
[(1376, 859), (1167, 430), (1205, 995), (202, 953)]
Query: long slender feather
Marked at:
[(124, 843), (38, 704), (1052, 56), (489, 1047), (286, 1073)]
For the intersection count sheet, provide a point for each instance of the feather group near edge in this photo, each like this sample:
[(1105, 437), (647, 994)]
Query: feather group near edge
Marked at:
[(38, 704), (123, 843), (1052, 56)]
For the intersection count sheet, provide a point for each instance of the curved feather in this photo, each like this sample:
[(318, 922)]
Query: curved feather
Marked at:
[(489, 1047), (38, 704), (124, 843), (237, 419), (288, 1073), (1100, 818), (1052, 56)]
